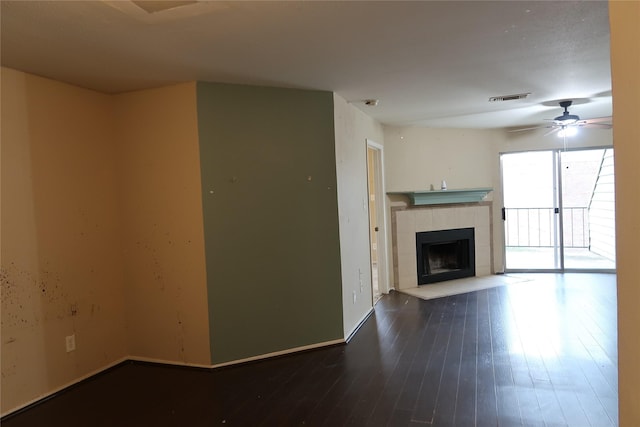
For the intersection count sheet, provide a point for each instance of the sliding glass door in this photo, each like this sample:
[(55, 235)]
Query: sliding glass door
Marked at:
[(559, 210), (529, 184)]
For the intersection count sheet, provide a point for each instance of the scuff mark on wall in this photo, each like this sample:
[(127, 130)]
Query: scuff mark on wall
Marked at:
[(54, 294), (156, 264), (181, 335), (18, 289), (21, 288)]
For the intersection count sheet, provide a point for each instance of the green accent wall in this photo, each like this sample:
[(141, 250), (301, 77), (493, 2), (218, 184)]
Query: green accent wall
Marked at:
[(270, 206)]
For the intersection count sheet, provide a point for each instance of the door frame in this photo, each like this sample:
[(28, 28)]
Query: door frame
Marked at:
[(381, 214)]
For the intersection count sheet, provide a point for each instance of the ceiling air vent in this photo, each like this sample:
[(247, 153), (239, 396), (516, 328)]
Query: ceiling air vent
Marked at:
[(509, 97)]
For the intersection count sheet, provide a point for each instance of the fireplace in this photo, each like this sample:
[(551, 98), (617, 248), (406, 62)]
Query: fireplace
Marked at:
[(445, 255)]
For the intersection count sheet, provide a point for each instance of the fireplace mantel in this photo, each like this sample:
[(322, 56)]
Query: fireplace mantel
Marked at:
[(439, 197)]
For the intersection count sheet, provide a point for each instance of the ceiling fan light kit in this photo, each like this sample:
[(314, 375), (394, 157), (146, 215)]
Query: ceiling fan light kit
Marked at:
[(567, 131)]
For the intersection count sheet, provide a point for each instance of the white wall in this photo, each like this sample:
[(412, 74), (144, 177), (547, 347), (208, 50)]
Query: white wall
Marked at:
[(353, 128)]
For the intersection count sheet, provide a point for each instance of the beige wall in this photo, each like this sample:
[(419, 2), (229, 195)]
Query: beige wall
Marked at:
[(101, 232), (61, 262), (163, 241), (625, 65), (416, 158), (352, 129)]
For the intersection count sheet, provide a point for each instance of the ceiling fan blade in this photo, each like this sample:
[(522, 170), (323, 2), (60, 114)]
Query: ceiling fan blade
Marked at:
[(525, 129), (599, 120), (554, 130), (598, 125)]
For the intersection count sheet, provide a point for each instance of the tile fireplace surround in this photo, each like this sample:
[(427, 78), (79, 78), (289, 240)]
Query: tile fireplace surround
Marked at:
[(407, 221)]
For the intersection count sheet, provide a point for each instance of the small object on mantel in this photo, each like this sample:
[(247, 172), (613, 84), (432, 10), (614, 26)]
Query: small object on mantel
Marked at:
[(441, 197), (443, 186)]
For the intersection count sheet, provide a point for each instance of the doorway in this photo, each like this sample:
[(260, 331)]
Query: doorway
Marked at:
[(377, 220), (559, 210)]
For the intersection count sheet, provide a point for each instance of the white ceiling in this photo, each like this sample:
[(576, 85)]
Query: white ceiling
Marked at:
[(429, 63)]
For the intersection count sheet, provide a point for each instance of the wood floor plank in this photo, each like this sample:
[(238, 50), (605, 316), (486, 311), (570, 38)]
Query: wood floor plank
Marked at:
[(450, 381), (428, 394), (409, 392), (486, 387), (515, 310), (507, 405)]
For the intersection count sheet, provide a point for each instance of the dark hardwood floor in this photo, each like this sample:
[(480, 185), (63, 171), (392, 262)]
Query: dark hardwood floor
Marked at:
[(537, 353)]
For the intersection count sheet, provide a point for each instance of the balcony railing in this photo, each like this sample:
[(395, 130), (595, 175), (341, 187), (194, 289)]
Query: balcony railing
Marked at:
[(535, 227)]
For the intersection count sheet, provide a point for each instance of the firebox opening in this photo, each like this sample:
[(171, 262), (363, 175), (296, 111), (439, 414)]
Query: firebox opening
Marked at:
[(445, 255), (449, 256)]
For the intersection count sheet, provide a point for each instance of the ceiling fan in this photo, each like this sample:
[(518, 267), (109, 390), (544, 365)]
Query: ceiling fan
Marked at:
[(567, 124)]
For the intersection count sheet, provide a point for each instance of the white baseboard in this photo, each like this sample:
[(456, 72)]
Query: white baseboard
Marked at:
[(360, 323), (168, 362), (65, 386), (280, 353)]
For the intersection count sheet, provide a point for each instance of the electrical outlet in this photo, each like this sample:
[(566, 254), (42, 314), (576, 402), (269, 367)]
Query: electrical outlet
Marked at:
[(70, 342)]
